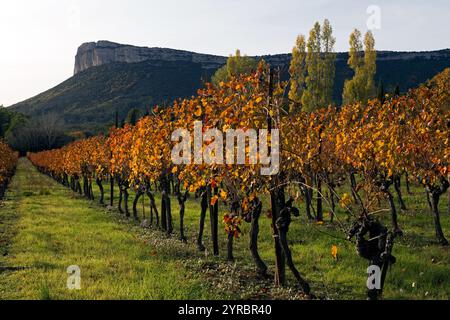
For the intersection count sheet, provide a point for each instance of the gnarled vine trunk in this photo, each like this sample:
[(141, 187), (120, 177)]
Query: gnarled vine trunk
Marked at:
[(230, 256), (204, 208), (435, 194), (139, 194), (153, 207), (119, 206), (254, 232), (166, 210), (282, 224), (126, 196), (182, 198), (398, 190), (102, 191), (111, 191), (277, 200), (214, 219)]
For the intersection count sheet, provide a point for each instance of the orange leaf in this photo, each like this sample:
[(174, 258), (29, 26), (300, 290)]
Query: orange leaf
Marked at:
[(214, 200)]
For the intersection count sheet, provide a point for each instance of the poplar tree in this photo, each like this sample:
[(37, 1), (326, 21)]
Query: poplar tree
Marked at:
[(313, 72), (236, 65), (370, 65), (328, 68), (311, 95), (361, 88), (297, 71)]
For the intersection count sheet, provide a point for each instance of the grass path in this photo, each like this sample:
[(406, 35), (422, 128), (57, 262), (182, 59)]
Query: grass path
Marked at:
[(44, 229)]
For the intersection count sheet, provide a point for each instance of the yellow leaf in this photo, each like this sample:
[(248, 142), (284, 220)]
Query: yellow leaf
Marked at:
[(334, 252), (198, 112), (175, 170), (223, 195), (259, 100)]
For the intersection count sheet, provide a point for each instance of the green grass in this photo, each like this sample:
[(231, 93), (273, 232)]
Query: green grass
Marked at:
[(45, 228)]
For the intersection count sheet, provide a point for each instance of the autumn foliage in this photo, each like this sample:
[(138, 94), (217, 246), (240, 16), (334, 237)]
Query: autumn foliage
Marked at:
[(378, 142), (8, 160)]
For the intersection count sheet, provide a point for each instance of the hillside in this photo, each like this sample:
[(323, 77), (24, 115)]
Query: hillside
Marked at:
[(88, 100), (110, 77)]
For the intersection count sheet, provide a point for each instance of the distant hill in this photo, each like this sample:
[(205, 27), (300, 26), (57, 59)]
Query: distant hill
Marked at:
[(110, 76)]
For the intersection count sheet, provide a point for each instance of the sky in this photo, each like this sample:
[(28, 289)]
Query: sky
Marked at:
[(39, 39)]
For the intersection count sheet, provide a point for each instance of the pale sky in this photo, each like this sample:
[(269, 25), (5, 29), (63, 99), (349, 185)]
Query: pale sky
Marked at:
[(39, 39)]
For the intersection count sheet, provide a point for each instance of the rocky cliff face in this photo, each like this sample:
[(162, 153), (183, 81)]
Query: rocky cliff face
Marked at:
[(95, 54)]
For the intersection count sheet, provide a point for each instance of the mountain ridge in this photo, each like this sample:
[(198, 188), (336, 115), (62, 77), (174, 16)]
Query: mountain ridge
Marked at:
[(139, 77), (93, 54)]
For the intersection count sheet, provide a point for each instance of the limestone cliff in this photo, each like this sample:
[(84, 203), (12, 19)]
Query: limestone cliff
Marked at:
[(93, 54)]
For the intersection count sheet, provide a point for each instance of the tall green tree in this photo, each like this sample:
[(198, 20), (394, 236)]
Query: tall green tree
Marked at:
[(361, 88), (328, 67), (313, 72), (311, 95), (236, 65), (370, 65), (297, 71)]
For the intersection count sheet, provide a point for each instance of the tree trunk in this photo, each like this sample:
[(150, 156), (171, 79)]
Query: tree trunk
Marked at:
[(230, 257), (72, 184), (182, 202), (154, 208), (430, 205), (139, 194), (408, 185), (86, 187), (204, 208), (166, 214), (166, 211), (163, 213), (287, 252), (78, 187), (91, 191), (319, 214), (120, 198), (214, 219), (437, 221), (182, 235), (353, 186), (169, 214), (254, 232), (277, 201), (398, 190), (397, 230), (307, 194), (448, 197), (102, 191), (125, 200), (111, 192)]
